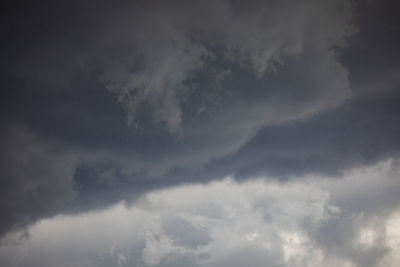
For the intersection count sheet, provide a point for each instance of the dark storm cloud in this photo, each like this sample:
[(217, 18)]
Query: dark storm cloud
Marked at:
[(362, 131), (35, 178), (102, 102)]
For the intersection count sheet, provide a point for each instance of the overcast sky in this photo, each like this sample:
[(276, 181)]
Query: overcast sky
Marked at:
[(200, 133)]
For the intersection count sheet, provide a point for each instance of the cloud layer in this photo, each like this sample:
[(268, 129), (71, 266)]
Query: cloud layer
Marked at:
[(313, 222), (103, 103)]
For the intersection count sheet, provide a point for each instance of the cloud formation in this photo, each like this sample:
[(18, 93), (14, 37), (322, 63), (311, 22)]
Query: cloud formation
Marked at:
[(170, 50), (311, 222), (104, 103)]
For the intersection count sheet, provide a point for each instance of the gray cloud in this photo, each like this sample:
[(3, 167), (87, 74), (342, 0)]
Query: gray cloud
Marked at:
[(308, 222), (113, 101), (173, 49), (33, 173)]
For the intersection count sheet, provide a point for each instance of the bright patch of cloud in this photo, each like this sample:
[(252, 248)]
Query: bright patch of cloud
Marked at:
[(223, 223)]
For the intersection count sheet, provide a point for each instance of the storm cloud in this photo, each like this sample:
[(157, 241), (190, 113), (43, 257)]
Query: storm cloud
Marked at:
[(102, 103), (310, 222)]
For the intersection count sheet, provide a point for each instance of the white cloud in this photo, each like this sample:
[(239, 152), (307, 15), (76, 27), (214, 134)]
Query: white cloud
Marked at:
[(219, 224)]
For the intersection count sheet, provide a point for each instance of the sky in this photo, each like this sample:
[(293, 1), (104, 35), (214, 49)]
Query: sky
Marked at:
[(200, 133)]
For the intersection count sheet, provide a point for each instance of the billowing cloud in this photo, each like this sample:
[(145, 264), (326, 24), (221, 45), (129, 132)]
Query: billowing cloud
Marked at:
[(103, 103), (169, 53), (225, 223)]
